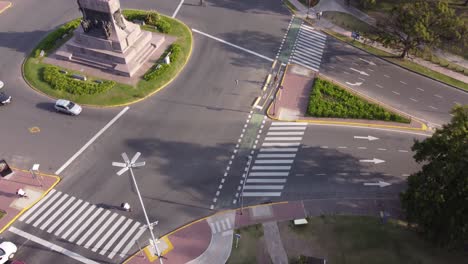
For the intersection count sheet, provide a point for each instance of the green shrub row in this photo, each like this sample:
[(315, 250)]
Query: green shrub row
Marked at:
[(156, 71), (64, 82), (49, 42), (151, 18), (329, 100)]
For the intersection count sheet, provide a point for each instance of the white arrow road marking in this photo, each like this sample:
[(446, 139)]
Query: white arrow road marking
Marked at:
[(354, 84), (370, 62), (374, 160), (370, 138), (379, 183), (360, 72)]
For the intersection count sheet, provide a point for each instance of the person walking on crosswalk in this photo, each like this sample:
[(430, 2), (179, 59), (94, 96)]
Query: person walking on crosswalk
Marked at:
[(126, 207)]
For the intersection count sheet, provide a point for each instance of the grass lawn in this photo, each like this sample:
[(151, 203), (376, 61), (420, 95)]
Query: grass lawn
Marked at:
[(248, 247), (350, 23), (120, 93), (330, 100), (361, 239), (402, 62)]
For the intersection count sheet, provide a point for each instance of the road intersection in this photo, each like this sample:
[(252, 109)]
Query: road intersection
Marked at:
[(196, 136)]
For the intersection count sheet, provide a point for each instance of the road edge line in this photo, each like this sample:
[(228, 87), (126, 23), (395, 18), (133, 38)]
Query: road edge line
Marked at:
[(10, 4)]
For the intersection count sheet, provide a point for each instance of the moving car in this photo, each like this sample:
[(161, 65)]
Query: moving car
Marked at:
[(67, 107), (4, 99), (7, 251)]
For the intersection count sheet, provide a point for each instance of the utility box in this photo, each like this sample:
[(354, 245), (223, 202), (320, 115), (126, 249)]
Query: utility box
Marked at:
[(5, 170)]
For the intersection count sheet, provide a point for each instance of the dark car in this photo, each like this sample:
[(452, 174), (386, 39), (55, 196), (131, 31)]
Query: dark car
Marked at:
[(4, 99)]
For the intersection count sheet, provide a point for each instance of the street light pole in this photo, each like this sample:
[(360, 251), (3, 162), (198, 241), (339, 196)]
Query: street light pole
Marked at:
[(128, 165)]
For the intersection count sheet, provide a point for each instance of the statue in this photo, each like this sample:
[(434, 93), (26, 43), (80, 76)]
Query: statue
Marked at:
[(106, 26)]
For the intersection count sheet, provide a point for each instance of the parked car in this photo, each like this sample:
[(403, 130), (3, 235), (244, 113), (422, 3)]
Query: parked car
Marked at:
[(4, 98), (7, 251), (67, 107)]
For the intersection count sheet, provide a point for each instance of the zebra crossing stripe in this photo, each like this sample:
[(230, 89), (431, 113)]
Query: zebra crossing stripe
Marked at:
[(77, 222), (266, 180), (276, 155), (86, 224), (131, 242), (57, 213), (222, 223), (305, 62), (269, 174), (263, 187), (300, 133), (91, 230), (306, 66), (287, 128), (38, 212), (124, 240), (50, 210), (218, 228), (312, 37), (60, 230), (64, 216), (37, 205), (271, 167), (283, 138), (108, 234), (261, 194), (273, 161), (279, 149), (307, 27), (312, 53), (280, 144), (213, 228), (289, 124), (100, 230), (228, 223), (116, 235)]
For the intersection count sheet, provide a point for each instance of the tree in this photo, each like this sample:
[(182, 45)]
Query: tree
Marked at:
[(437, 196), (367, 4), (421, 22)]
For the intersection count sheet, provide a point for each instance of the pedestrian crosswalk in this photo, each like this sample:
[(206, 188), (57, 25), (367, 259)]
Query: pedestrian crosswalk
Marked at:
[(94, 228), (221, 225), (308, 48), (270, 167)]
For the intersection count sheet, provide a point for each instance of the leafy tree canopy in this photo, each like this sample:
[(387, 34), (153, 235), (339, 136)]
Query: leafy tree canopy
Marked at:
[(437, 196)]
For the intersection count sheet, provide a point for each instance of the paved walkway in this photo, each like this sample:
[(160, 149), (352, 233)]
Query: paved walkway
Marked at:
[(336, 5), (11, 203), (210, 240)]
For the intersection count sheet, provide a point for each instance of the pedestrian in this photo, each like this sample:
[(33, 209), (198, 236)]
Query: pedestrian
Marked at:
[(320, 14), (21, 193), (276, 79), (126, 207), (237, 82)]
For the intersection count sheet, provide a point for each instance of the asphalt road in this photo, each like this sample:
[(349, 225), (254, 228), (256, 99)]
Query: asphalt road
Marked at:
[(194, 120), (409, 92), (325, 161)]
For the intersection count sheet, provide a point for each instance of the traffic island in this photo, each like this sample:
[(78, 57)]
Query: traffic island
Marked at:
[(93, 83), (332, 103)]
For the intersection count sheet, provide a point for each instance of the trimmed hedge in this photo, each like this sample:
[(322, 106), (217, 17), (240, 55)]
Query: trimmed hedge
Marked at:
[(330, 100), (49, 42), (151, 18), (156, 71), (64, 82)]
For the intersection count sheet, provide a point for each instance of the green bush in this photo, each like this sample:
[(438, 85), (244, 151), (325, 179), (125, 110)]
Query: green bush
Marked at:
[(64, 82), (131, 15), (329, 100), (154, 71), (48, 43), (163, 26), (152, 18)]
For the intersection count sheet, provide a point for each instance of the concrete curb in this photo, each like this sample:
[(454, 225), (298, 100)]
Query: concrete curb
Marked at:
[(57, 180), (128, 103)]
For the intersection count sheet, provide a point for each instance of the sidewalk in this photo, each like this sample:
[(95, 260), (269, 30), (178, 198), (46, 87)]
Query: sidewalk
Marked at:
[(335, 5), (35, 189), (210, 240)]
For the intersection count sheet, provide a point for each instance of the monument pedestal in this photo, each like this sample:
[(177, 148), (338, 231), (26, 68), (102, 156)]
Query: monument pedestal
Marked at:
[(107, 41)]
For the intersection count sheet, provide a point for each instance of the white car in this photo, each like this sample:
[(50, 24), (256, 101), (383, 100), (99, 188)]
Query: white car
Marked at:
[(7, 251), (67, 107)]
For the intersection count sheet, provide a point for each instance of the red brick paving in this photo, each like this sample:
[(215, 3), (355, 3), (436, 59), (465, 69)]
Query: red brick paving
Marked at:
[(9, 185)]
